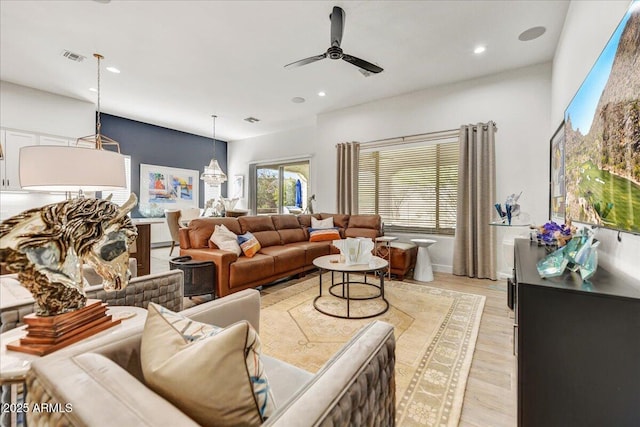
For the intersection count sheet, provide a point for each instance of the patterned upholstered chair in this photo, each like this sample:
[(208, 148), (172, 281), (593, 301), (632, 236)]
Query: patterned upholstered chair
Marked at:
[(166, 289), (355, 387)]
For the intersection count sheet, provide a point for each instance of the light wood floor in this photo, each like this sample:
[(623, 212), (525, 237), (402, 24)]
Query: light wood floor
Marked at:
[(490, 396)]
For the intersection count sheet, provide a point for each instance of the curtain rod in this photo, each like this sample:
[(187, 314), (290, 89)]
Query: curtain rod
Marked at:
[(429, 136), (291, 159)]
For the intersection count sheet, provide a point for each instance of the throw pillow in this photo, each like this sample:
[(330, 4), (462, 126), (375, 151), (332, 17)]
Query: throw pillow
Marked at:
[(225, 239), (323, 234), (212, 374), (322, 223), (249, 244)]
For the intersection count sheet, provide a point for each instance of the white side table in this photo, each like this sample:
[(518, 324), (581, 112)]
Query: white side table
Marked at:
[(423, 271)]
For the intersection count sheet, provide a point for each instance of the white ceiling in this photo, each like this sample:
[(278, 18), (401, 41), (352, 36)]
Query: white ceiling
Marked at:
[(182, 61)]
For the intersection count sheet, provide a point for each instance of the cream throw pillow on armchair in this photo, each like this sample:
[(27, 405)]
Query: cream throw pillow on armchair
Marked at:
[(214, 375)]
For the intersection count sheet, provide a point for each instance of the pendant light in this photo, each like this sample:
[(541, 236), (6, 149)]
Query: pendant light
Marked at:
[(74, 168), (98, 139), (213, 174)]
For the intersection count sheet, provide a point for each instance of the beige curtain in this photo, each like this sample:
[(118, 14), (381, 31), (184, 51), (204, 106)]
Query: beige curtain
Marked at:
[(347, 179), (474, 249)]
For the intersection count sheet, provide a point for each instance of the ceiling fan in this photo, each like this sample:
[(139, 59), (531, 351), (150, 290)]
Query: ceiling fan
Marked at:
[(335, 51)]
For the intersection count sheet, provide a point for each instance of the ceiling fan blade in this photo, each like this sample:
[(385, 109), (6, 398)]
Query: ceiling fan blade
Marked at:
[(337, 26), (306, 61), (365, 65)]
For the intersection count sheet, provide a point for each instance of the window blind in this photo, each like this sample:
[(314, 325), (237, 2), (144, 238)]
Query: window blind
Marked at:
[(413, 188)]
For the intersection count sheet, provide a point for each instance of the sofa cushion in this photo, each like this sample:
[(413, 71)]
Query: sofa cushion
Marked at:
[(363, 226), (225, 239), (249, 244), (285, 258), (247, 270), (289, 229), (313, 250), (256, 223), (292, 235), (268, 238), (282, 222), (361, 232), (323, 234), (196, 371), (339, 220), (305, 219), (318, 224), (365, 221)]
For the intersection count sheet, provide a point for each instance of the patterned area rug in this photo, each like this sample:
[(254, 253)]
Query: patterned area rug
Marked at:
[(435, 332)]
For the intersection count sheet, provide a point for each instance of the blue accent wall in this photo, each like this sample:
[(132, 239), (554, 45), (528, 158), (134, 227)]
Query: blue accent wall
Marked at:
[(156, 145)]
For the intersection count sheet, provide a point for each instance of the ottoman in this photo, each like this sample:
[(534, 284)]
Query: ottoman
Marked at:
[(403, 258)]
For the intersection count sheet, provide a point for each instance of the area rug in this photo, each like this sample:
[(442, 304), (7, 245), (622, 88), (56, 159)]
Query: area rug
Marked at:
[(435, 330)]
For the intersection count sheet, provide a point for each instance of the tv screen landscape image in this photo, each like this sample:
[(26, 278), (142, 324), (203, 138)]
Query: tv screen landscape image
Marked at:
[(602, 135)]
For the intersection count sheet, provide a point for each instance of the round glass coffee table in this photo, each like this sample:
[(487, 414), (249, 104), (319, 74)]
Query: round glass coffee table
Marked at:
[(332, 263)]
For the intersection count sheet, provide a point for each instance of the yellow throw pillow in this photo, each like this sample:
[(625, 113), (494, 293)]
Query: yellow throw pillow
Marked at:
[(214, 375)]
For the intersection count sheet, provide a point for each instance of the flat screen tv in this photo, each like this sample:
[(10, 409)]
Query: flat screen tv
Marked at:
[(602, 135)]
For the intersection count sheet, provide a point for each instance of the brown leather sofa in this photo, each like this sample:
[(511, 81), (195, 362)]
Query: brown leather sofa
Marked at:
[(285, 247)]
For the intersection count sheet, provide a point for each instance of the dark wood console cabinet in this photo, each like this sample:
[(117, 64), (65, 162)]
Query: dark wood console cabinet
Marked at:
[(142, 252), (577, 344)]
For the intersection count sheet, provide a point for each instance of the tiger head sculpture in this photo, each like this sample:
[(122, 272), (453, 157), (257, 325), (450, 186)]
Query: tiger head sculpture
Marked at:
[(48, 246)]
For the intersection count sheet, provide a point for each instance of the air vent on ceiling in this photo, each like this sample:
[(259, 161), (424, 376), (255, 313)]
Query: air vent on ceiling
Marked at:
[(251, 120), (72, 56)]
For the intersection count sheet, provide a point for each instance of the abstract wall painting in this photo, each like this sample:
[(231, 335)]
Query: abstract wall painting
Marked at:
[(163, 187)]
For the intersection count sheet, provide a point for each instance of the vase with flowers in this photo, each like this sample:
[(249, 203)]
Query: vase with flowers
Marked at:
[(553, 235)]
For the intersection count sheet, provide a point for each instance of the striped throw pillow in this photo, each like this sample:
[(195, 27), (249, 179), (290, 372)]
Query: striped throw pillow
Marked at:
[(323, 234)]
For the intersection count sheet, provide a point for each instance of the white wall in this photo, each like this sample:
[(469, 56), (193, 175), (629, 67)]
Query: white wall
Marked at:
[(587, 28), (518, 101), (32, 110), (284, 145)]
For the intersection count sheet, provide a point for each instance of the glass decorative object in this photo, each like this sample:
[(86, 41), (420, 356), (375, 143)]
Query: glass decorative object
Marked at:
[(511, 206), (580, 254)]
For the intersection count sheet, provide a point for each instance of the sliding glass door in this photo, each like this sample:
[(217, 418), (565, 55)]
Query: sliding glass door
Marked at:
[(282, 188)]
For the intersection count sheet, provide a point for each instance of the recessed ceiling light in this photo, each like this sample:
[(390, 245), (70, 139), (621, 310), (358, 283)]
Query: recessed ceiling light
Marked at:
[(321, 93), (297, 100), (531, 34), (478, 50), (93, 89), (113, 70)]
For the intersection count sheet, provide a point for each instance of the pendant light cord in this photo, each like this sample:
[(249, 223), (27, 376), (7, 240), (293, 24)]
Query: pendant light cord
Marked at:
[(214, 136), (98, 124)]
